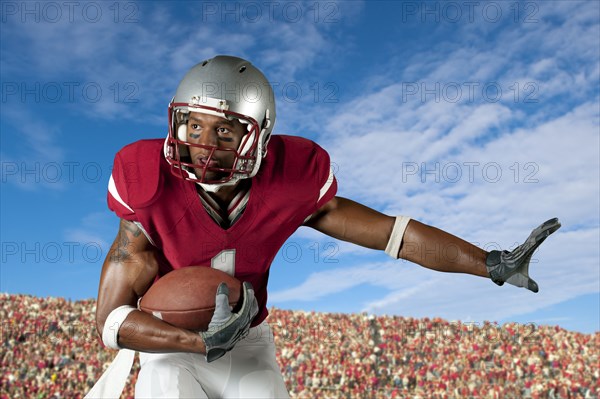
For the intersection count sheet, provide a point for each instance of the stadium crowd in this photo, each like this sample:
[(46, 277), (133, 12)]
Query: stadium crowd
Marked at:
[(50, 349)]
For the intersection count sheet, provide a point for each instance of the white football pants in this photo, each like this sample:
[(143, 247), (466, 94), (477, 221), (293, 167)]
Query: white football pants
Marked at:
[(250, 370)]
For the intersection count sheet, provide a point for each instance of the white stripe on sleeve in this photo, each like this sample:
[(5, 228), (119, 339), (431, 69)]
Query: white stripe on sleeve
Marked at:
[(112, 189), (327, 185)]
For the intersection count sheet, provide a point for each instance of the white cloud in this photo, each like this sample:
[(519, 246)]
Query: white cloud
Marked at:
[(417, 292), (86, 238), (546, 151), (35, 133), (559, 157), (37, 160), (153, 53), (96, 228), (376, 138)]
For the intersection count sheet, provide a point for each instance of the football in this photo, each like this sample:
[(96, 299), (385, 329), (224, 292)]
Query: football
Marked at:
[(185, 297)]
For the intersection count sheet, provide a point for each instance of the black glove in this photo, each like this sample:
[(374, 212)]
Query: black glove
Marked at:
[(513, 267), (226, 328)]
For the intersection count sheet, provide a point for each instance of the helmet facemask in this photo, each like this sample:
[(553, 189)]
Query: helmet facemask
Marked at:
[(252, 148), (246, 156)]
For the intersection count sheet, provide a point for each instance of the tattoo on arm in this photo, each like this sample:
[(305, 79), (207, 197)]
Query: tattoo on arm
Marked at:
[(128, 230)]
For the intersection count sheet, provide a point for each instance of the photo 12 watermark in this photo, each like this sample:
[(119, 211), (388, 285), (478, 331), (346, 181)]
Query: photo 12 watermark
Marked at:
[(469, 171), (315, 92), (52, 12), (452, 253), (63, 252), (289, 252), (67, 172), (314, 252), (454, 12), (69, 92), (317, 12), (470, 92), (275, 91), (464, 331)]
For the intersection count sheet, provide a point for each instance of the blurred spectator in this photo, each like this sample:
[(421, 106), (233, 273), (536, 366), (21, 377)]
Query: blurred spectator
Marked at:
[(50, 349)]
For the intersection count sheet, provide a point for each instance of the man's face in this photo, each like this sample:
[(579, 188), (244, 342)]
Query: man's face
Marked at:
[(213, 132)]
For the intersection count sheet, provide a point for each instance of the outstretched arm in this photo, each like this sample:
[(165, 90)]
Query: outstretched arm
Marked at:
[(428, 246), (425, 245)]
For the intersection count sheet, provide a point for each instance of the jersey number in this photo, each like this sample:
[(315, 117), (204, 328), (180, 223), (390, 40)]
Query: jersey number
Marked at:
[(224, 261)]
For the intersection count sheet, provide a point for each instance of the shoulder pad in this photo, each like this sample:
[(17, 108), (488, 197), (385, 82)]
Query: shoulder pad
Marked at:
[(136, 171), (300, 158), (302, 166)]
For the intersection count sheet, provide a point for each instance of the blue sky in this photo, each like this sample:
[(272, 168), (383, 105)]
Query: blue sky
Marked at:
[(479, 118)]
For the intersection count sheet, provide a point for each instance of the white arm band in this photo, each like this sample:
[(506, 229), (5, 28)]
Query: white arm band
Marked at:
[(393, 246), (113, 322)]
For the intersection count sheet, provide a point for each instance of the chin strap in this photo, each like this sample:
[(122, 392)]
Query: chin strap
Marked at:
[(213, 188)]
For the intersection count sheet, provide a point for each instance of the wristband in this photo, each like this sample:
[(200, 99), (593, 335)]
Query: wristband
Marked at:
[(113, 323), (393, 246)]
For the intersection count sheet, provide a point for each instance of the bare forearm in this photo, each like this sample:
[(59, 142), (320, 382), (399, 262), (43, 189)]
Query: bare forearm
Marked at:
[(144, 332), (422, 244), (438, 250)]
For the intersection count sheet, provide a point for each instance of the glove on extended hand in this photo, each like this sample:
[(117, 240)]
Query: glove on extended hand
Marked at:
[(226, 328), (513, 267)]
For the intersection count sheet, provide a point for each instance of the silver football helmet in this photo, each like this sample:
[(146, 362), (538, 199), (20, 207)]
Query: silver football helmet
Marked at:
[(228, 87)]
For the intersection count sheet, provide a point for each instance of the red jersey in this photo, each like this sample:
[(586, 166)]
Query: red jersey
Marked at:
[(294, 181)]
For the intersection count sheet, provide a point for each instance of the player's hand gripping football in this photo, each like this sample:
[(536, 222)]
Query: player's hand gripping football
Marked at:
[(227, 328), (513, 267)]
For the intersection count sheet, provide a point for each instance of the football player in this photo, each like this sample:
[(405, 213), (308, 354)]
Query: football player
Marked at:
[(221, 191)]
